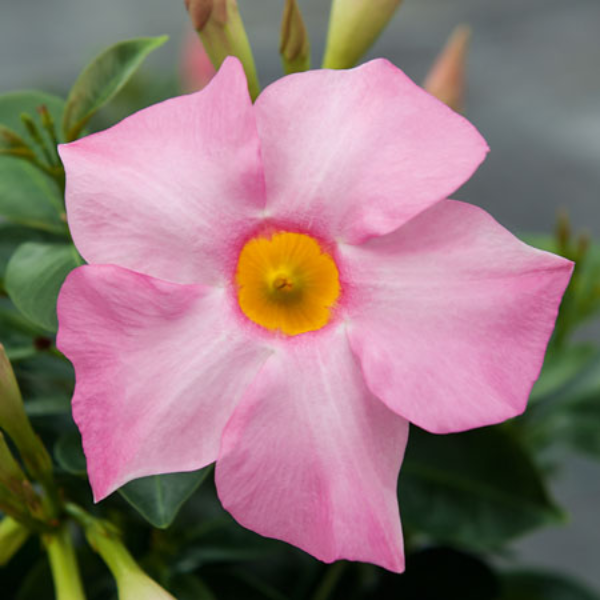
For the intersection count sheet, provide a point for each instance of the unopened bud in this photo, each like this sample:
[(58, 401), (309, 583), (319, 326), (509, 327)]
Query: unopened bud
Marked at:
[(196, 67), (11, 474), (220, 26), (563, 232), (14, 421), (12, 536), (584, 242), (12, 412), (353, 27), (447, 78), (199, 11), (295, 45), (132, 582)]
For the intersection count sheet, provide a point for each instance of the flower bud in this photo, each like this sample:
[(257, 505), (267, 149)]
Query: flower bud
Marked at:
[(14, 421), (12, 536), (196, 67), (353, 27), (447, 78), (295, 45), (220, 26), (132, 582), (12, 412)]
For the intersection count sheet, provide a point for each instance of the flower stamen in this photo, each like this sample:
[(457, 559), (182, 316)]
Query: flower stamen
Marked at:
[(286, 282)]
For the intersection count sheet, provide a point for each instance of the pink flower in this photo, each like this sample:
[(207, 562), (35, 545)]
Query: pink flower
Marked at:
[(281, 287)]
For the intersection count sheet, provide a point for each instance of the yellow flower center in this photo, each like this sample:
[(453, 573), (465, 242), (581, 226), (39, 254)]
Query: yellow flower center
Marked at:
[(287, 283)]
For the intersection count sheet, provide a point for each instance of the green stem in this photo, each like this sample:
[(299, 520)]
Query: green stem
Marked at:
[(329, 582), (63, 564)]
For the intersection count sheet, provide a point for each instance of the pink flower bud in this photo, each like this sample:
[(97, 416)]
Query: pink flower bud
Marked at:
[(447, 78), (196, 67)]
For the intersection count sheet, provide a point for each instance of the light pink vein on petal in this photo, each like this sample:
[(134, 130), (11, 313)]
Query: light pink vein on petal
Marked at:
[(452, 317), (357, 153), (159, 368), (312, 458), (166, 191)]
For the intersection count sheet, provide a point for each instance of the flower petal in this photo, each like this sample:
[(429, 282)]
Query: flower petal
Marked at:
[(451, 317), (168, 190), (159, 369), (312, 458), (357, 153)]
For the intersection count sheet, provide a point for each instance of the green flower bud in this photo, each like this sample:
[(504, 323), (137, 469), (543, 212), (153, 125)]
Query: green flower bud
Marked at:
[(220, 26), (353, 27), (12, 536), (132, 582), (295, 45)]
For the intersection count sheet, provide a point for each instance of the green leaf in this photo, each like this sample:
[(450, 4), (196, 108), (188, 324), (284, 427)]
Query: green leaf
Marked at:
[(48, 406), (571, 414), (478, 489), (158, 498), (12, 236), (102, 79), (560, 367), (13, 104), (69, 453), (531, 585), (34, 276), (29, 198)]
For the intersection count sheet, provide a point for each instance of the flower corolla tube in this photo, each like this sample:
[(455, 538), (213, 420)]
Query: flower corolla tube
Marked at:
[(282, 287)]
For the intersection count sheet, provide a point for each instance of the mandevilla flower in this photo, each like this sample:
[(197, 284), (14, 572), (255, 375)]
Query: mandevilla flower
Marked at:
[(282, 287)]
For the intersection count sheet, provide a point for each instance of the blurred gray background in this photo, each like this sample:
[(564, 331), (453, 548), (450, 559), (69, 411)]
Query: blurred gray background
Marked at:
[(534, 93)]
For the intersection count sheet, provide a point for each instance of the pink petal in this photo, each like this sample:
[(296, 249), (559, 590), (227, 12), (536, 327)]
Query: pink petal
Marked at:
[(312, 458), (357, 153), (159, 369), (451, 317), (169, 190)]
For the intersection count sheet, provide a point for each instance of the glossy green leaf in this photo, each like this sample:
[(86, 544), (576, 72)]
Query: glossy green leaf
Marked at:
[(12, 236), (34, 276), (102, 79), (29, 198), (158, 498), (478, 489), (531, 585), (16, 332), (69, 453)]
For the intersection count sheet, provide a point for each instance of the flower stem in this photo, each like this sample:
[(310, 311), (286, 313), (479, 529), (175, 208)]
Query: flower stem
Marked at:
[(333, 574), (63, 563)]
